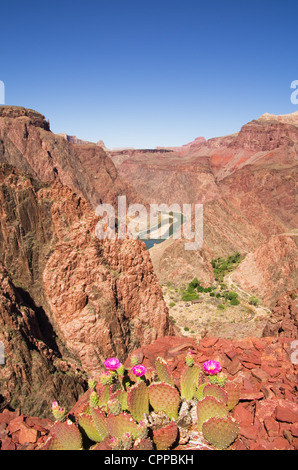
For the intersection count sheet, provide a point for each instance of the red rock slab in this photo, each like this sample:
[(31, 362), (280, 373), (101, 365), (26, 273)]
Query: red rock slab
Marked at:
[(243, 415), (271, 371), (295, 443), (260, 345), (261, 444), (251, 395), (234, 366), (243, 344), (28, 435), (208, 342), (15, 424), (8, 444), (230, 353), (259, 374), (249, 431), (287, 411), (271, 426), (294, 429), (6, 416), (266, 408), (251, 359), (43, 424), (280, 443)]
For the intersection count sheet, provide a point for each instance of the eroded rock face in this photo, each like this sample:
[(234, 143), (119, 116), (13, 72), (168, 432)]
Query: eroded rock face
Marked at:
[(99, 298), (27, 143), (33, 373), (284, 317), (247, 183), (270, 270)]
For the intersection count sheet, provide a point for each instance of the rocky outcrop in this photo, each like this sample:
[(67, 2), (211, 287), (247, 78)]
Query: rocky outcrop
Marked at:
[(24, 115), (265, 135), (27, 143), (33, 371), (284, 317), (246, 182), (98, 298), (270, 270)]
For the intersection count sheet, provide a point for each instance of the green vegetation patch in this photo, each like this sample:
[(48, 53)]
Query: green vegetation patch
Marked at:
[(222, 266)]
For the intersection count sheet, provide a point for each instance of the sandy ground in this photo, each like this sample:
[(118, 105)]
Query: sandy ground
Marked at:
[(206, 319)]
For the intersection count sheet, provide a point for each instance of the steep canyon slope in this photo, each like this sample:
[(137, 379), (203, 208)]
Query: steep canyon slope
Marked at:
[(68, 299), (247, 183)]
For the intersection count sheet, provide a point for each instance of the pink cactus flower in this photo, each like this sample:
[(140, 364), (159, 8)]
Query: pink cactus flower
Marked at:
[(211, 367), (112, 363), (139, 370)]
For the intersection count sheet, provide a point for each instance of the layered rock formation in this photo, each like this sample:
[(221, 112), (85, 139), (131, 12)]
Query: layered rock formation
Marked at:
[(27, 143), (34, 371), (90, 298), (284, 317), (69, 300), (247, 184), (271, 270)]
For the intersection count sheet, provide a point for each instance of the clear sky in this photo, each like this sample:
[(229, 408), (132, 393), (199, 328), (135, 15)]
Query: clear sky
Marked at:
[(149, 73)]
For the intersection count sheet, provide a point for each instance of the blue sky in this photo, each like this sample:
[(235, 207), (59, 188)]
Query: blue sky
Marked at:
[(149, 73)]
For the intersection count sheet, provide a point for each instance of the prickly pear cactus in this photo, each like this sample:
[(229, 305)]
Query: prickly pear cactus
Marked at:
[(121, 424), (164, 397), (220, 432), (86, 422), (143, 444), (189, 380), (138, 400), (208, 408), (218, 379), (163, 371), (199, 392), (163, 438), (233, 392), (136, 410), (65, 436), (215, 391)]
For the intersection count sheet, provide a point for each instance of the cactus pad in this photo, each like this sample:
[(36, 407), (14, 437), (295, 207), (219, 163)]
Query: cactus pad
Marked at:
[(220, 432), (122, 424), (66, 436), (163, 371), (165, 437), (164, 397), (189, 380), (121, 396), (215, 391), (138, 400), (86, 422), (143, 444), (233, 392), (100, 422), (198, 393), (208, 408)]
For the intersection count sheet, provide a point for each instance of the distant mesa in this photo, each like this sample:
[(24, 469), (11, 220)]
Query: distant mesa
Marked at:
[(284, 118), (75, 140), (19, 112)]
